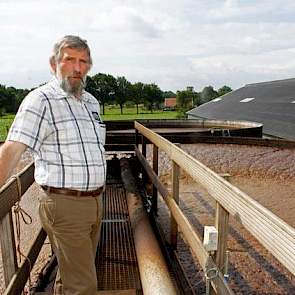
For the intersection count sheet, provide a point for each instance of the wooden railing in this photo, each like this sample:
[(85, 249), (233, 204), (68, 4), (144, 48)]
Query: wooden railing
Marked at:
[(15, 277), (273, 233)]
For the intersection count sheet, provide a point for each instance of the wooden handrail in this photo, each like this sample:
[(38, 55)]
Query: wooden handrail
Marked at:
[(9, 191), (16, 277), (273, 233)]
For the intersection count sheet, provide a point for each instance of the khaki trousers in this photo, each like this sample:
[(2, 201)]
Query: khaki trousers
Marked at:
[(73, 227)]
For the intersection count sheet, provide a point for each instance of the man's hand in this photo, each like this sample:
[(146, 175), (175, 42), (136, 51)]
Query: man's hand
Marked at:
[(10, 153)]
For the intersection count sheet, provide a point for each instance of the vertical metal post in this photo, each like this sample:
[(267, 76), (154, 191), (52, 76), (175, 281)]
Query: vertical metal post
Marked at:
[(225, 273), (175, 195), (221, 224), (156, 169)]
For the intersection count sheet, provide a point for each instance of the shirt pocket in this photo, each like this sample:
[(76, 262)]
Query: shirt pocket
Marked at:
[(100, 131)]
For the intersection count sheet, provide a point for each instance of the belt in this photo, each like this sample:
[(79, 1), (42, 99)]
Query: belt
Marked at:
[(71, 192)]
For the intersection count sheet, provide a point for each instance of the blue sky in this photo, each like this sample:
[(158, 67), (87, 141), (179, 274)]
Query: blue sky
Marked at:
[(173, 43)]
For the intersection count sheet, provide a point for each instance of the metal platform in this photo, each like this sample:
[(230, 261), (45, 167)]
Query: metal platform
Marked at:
[(116, 263)]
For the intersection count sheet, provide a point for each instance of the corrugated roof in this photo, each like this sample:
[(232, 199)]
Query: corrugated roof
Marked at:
[(272, 105)]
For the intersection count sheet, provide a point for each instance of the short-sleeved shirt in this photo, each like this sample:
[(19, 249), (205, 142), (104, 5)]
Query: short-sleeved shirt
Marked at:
[(65, 135)]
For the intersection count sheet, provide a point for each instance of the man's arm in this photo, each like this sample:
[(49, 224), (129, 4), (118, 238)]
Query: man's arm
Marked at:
[(10, 153)]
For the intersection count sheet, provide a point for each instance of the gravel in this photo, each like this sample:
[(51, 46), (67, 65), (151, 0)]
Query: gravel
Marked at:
[(267, 175)]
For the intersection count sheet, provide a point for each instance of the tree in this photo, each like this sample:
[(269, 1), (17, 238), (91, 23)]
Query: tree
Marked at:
[(153, 97), (8, 99), (223, 90), (103, 87), (137, 93), (187, 99), (197, 99), (122, 91), (184, 99), (3, 98), (20, 95), (90, 86), (208, 93), (11, 98)]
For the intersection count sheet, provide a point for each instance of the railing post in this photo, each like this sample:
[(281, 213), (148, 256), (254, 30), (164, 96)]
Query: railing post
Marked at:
[(136, 138), (221, 224), (8, 249), (175, 195), (146, 181), (156, 169), (143, 146)]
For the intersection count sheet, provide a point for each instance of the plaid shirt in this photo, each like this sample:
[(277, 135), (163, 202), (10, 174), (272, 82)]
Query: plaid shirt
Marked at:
[(66, 136)]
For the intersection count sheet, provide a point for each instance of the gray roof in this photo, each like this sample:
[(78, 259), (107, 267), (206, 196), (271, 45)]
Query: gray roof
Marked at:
[(270, 103)]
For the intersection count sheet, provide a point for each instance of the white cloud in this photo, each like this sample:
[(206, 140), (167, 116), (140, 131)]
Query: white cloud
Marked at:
[(172, 43), (272, 65), (253, 63)]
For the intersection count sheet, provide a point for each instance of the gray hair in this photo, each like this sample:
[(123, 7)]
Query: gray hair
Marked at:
[(69, 41)]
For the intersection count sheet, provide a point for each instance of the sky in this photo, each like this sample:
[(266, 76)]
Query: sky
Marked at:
[(172, 43)]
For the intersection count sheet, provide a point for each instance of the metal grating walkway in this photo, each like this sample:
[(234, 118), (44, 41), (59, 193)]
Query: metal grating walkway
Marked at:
[(116, 263)]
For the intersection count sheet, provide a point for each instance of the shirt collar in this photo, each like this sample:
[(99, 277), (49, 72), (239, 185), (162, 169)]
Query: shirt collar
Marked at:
[(61, 93)]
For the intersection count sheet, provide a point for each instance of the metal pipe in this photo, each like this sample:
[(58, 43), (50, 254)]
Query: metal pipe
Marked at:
[(226, 274), (154, 274)]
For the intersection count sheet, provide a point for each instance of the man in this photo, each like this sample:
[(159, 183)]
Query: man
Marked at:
[(60, 122)]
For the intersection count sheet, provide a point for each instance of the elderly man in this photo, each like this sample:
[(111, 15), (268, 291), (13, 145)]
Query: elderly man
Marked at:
[(60, 123)]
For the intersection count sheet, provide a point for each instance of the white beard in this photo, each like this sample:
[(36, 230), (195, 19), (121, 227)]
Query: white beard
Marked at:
[(73, 89)]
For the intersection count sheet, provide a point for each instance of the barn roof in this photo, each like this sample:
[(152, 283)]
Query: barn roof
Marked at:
[(270, 103)]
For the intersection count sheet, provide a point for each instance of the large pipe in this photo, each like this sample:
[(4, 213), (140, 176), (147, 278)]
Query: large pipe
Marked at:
[(154, 274)]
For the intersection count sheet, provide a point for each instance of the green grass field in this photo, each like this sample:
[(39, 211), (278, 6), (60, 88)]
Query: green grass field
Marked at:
[(112, 113), (5, 122)]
